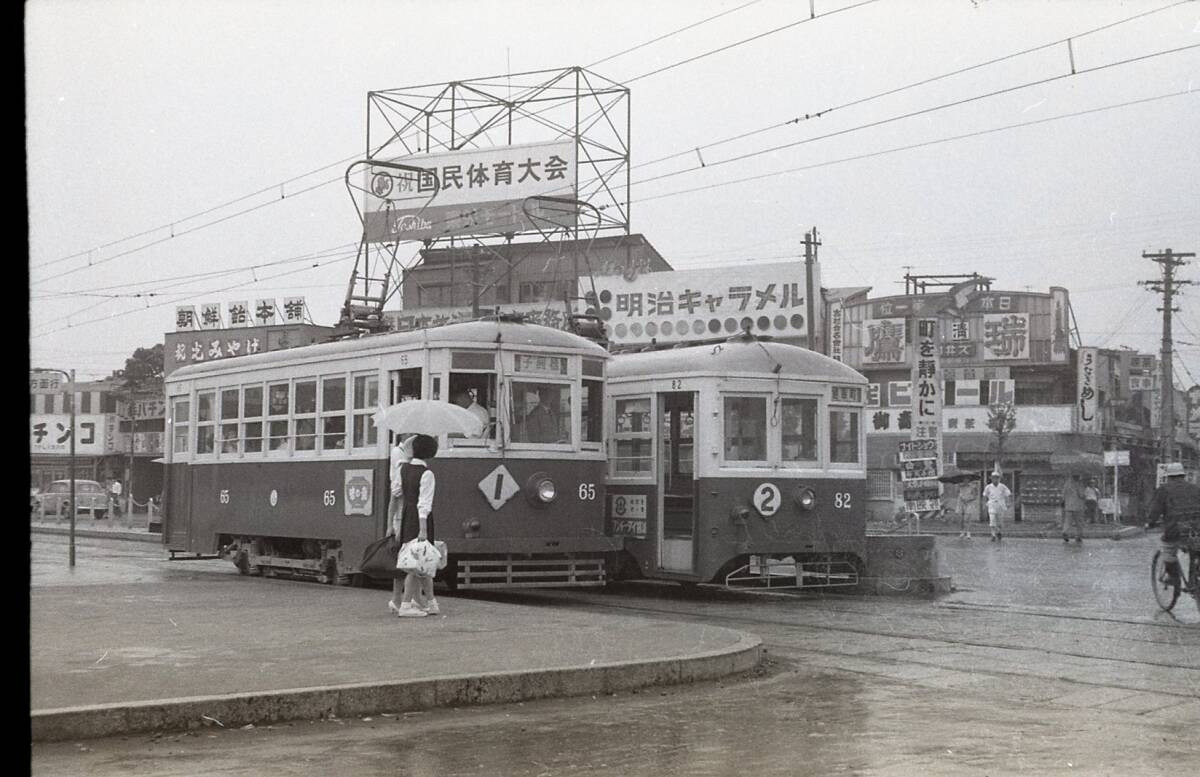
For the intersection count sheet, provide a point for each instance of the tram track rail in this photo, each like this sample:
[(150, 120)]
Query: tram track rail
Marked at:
[(750, 622)]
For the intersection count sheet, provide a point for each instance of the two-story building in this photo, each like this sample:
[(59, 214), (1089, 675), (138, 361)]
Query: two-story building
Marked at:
[(1072, 403)]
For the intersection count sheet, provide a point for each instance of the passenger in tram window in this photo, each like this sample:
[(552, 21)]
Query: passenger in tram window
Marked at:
[(540, 423), (464, 400)]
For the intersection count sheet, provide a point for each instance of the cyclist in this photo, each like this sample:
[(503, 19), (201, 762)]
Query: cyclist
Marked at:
[(1175, 502)]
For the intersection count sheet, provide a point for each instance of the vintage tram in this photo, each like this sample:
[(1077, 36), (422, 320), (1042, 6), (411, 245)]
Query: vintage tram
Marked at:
[(738, 463), (274, 461)]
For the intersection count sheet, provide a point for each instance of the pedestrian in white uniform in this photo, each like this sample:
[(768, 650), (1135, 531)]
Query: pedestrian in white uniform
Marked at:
[(998, 498)]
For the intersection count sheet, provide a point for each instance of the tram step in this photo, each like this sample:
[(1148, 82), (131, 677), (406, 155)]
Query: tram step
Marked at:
[(530, 573)]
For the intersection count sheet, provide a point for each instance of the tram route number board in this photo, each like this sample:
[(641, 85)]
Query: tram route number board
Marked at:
[(358, 492), (628, 513)]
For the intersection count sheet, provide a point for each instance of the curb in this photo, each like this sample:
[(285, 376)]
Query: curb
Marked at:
[(345, 701), (131, 535)]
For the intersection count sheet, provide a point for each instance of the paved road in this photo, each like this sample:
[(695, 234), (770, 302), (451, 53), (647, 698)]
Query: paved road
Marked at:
[(1049, 659)]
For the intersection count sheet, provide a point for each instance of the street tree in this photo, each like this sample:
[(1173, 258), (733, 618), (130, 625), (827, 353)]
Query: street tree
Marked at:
[(1002, 419), (143, 371)]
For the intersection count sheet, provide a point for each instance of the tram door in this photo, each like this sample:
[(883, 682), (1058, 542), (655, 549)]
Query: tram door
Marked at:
[(677, 481)]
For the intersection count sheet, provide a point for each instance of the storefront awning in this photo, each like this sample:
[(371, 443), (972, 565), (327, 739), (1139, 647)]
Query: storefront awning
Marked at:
[(1079, 462)]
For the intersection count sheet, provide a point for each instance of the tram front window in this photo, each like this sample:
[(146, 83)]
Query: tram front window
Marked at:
[(745, 428), (799, 429), (542, 412), (843, 436)]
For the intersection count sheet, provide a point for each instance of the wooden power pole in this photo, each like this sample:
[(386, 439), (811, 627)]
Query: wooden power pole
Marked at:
[(1168, 260)]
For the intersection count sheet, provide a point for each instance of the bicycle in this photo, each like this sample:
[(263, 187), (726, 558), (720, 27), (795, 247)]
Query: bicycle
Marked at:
[(1166, 589)]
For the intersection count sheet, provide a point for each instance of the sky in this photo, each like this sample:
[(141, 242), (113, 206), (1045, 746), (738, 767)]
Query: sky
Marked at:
[(152, 125)]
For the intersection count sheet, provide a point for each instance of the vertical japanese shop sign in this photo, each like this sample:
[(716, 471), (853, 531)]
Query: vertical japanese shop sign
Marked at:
[(1087, 403), (835, 329), (921, 487)]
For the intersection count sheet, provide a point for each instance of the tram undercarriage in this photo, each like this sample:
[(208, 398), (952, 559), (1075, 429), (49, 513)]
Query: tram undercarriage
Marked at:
[(799, 571)]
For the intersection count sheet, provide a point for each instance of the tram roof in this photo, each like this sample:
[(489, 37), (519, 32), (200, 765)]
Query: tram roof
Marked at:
[(734, 356), (484, 332)]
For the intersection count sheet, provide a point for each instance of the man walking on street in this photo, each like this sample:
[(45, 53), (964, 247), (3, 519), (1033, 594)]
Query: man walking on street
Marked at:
[(1072, 513), (114, 491), (998, 498), (1091, 498)]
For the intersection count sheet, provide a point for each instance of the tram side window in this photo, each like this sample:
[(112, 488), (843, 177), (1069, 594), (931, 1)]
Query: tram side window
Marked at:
[(843, 436), (366, 399), (475, 391), (205, 421), (252, 425), (277, 406), (181, 420), (799, 429), (229, 421), (306, 415), (333, 414), (633, 437), (542, 412), (745, 428), (591, 417)]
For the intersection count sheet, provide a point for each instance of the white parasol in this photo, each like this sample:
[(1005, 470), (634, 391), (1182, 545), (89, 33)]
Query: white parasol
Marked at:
[(428, 416)]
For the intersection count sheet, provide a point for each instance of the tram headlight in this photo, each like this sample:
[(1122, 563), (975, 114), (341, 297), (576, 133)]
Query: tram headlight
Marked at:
[(540, 489), (804, 498)]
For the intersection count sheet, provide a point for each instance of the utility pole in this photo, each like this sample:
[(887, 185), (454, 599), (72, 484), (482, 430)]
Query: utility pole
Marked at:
[(1168, 260), (810, 259)]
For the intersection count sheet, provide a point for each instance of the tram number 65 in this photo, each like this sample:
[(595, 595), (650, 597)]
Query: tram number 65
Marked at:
[(223, 496), (587, 492), (329, 498), (841, 500)]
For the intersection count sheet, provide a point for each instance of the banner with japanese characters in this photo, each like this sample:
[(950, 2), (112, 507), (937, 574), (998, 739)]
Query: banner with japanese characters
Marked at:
[(185, 318), (1005, 336), (1087, 402), (265, 312), (681, 305), (51, 434), (921, 488), (472, 192), (210, 316), (239, 313), (293, 310), (883, 341), (836, 329)]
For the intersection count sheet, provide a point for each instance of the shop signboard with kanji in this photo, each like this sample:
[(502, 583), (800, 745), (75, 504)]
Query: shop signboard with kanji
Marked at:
[(921, 487), (883, 341), (1087, 402), (1006, 336), (530, 312), (679, 305), (51, 434), (183, 348), (471, 192)]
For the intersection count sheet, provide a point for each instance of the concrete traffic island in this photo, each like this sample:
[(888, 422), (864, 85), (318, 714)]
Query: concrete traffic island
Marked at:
[(124, 659)]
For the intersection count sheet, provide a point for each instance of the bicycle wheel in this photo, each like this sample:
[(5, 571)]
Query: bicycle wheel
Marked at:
[(1165, 593)]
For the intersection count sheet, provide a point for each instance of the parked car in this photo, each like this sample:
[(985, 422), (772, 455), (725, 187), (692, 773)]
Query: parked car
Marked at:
[(90, 496)]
